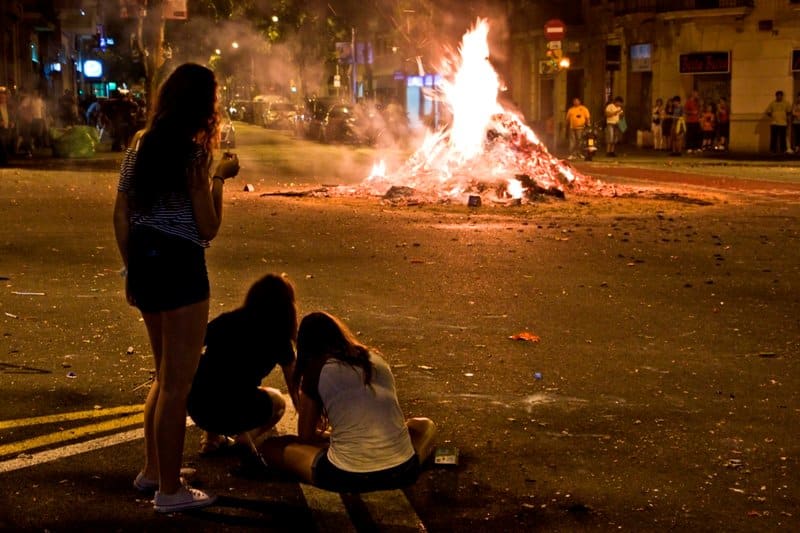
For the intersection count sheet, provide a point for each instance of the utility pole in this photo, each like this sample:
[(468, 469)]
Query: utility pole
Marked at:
[(354, 70)]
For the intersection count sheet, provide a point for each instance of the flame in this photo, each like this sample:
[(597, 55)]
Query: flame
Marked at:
[(484, 143), (474, 108), (515, 188), (378, 170)]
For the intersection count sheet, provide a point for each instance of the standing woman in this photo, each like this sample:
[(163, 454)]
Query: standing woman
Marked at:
[(168, 208), (656, 116), (666, 125), (345, 385)]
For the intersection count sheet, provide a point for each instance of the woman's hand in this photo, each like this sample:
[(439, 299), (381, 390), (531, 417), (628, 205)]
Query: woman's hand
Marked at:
[(228, 167)]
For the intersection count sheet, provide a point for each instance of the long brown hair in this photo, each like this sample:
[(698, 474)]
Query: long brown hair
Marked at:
[(183, 119), (270, 307), (322, 336)]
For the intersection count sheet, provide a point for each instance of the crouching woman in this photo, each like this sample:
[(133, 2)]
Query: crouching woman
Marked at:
[(352, 436)]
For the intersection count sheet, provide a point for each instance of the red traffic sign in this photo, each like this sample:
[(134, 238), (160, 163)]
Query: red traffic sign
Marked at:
[(554, 30)]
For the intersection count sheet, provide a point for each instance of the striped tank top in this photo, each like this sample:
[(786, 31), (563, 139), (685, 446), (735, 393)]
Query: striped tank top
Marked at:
[(172, 211)]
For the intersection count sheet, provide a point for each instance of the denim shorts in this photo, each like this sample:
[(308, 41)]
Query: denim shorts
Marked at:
[(326, 475), (165, 272)]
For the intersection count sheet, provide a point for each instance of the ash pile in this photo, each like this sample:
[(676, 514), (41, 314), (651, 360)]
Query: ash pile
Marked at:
[(512, 168)]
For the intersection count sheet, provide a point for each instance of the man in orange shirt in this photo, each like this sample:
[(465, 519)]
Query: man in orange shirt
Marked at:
[(577, 120)]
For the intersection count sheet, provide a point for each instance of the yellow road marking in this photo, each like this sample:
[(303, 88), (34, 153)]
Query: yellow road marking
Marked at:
[(71, 434), (75, 415)]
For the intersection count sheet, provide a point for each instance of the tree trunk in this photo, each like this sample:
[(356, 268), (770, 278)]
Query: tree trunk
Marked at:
[(150, 35)]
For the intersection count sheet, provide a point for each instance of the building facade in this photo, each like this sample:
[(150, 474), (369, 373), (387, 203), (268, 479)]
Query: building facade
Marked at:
[(743, 50)]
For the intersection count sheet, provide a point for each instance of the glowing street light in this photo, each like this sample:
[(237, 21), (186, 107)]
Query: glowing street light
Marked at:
[(275, 18), (234, 45)]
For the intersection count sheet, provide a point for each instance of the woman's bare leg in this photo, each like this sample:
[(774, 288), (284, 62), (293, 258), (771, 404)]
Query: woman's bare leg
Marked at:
[(183, 334), (422, 431), (288, 454), (150, 469)]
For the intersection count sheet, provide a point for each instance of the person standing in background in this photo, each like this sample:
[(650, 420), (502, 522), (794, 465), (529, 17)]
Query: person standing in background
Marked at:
[(6, 126), (691, 114), (796, 125), (656, 116), (666, 125), (778, 112), (723, 124), (577, 121), (614, 112), (678, 134), (24, 141), (708, 126)]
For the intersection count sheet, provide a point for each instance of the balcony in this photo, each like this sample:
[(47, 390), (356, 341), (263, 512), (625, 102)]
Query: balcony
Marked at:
[(627, 7)]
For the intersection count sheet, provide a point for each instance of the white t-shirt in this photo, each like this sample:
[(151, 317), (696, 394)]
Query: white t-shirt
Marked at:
[(368, 428)]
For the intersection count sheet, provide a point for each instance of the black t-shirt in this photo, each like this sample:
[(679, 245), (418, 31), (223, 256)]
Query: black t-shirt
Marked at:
[(239, 354)]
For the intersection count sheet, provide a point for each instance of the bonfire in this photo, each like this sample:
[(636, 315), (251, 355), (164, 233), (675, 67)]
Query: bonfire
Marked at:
[(486, 149)]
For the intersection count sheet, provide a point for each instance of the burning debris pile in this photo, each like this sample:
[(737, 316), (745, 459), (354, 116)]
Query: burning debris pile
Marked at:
[(485, 149)]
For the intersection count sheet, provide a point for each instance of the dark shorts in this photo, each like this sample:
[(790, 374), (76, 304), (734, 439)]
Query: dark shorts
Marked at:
[(225, 414), (165, 272), (329, 477)]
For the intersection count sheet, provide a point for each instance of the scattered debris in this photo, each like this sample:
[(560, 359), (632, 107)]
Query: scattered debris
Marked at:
[(22, 293), (398, 191), (445, 456), (319, 191), (525, 336), (249, 187)]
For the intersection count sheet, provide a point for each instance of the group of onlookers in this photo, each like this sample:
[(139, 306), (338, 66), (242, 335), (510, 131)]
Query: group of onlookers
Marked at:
[(693, 126), (26, 118)]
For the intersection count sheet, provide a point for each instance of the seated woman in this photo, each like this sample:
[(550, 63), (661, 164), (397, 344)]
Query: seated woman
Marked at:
[(227, 400), (341, 383)]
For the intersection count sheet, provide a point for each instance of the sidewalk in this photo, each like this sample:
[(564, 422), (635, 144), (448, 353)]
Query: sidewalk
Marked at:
[(628, 153)]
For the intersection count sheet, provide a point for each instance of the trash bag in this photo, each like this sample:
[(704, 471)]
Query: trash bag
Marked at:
[(75, 142)]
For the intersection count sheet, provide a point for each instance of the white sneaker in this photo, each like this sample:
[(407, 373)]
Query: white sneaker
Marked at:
[(184, 499)]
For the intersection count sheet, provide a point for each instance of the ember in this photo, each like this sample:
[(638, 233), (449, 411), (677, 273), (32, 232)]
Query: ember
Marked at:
[(486, 149)]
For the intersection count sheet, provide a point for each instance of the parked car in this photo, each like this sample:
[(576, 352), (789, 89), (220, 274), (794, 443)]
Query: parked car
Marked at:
[(356, 124), (311, 118), (279, 115), (340, 124), (241, 110)]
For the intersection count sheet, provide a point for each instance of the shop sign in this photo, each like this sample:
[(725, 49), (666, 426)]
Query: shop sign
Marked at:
[(795, 60), (641, 57), (705, 63)]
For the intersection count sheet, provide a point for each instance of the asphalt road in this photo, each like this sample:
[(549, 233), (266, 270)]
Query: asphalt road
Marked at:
[(662, 393)]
